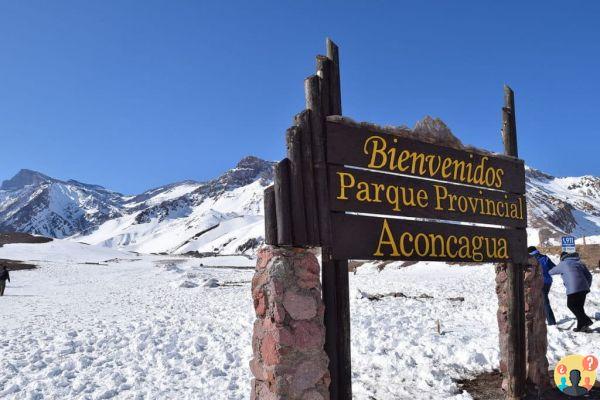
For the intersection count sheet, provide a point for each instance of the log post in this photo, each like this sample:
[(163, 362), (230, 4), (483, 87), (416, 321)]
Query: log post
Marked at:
[(536, 333), (335, 85), (342, 286), (294, 145), (514, 355), (283, 203), (302, 120), (328, 276), (270, 216)]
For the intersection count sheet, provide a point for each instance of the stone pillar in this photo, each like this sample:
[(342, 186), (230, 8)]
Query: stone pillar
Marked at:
[(289, 360), (502, 316), (535, 326), (536, 341)]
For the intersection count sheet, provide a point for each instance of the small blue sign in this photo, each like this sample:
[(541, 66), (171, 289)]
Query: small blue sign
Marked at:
[(568, 244)]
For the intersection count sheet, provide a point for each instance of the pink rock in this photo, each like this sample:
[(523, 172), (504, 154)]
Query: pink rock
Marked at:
[(306, 279), (257, 370), (258, 280), (278, 313), (269, 351), (283, 336), (260, 304), (307, 263), (265, 254), (299, 306), (306, 376), (276, 287), (312, 395), (308, 335), (306, 270)]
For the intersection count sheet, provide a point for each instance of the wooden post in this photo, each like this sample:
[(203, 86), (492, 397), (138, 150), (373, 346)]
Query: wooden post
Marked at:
[(313, 103), (308, 178), (283, 203), (270, 216), (294, 145), (328, 276), (333, 87), (516, 359)]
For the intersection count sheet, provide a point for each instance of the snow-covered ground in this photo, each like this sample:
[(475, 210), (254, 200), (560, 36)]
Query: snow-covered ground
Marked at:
[(98, 323)]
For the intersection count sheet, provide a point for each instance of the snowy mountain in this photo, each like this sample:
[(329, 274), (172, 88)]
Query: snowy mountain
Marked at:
[(221, 216), (558, 206), (225, 215), (35, 203)]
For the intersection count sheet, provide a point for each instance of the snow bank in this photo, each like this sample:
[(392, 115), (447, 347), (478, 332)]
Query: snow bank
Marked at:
[(161, 327)]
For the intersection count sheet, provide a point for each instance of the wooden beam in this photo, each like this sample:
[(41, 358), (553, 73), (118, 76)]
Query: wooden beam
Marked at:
[(509, 131), (314, 103), (343, 344), (334, 104), (335, 86), (294, 146), (308, 179), (270, 216), (324, 66), (283, 203), (516, 358), (317, 121)]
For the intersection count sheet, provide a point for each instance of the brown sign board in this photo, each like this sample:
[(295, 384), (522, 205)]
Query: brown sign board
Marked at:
[(363, 191), (363, 237), (360, 147)]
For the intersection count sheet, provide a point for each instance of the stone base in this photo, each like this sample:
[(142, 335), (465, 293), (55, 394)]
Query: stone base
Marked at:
[(289, 335), (536, 342)]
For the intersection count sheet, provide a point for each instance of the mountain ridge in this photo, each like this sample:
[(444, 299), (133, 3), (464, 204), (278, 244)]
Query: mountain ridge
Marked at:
[(225, 215)]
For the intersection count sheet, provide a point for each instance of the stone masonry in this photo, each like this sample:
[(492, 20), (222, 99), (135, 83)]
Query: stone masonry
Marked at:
[(535, 326), (289, 361), (536, 341)]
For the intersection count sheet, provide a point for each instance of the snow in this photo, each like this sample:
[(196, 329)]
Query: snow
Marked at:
[(581, 193), (595, 239), (220, 224), (171, 193), (159, 327)]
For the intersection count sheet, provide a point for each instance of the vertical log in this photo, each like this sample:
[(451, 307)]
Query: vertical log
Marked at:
[(270, 216), (283, 203), (331, 84), (294, 145), (328, 271), (335, 85), (324, 72), (308, 179), (516, 353), (343, 332), (509, 131), (313, 103), (329, 281)]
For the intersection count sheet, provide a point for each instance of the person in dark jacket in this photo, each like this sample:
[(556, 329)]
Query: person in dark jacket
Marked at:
[(546, 264), (578, 280), (4, 276)]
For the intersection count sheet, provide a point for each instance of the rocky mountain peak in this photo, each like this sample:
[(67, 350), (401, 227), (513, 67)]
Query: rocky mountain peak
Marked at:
[(253, 162), (436, 131), (247, 170), (25, 177)]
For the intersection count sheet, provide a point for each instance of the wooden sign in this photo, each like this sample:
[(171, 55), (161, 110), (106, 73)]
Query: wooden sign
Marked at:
[(359, 147), (360, 193), (388, 176), (363, 238), (363, 191)]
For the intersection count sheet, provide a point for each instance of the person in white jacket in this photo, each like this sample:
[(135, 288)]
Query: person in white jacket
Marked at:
[(578, 280)]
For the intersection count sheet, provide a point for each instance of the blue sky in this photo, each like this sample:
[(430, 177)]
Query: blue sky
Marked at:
[(135, 94)]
